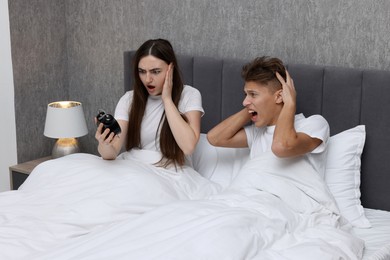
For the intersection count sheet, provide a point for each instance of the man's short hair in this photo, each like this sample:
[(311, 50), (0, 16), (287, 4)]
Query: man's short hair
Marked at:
[(263, 71)]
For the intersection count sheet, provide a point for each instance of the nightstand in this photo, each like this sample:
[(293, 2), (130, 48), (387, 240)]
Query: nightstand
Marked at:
[(19, 173)]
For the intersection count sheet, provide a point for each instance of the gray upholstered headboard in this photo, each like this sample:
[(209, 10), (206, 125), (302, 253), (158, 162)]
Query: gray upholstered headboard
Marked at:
[(345, 97)]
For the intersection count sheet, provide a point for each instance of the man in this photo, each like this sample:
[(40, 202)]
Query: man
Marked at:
[(270, 104)]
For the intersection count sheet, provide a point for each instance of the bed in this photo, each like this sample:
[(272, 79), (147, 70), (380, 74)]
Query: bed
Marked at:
[(82, 207)]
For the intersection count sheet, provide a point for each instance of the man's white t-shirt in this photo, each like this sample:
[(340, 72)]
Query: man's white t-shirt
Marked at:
[(150, 140), (260, 139)]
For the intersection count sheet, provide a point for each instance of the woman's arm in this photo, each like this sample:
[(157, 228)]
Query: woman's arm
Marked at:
[(110, 145), (186, 133)]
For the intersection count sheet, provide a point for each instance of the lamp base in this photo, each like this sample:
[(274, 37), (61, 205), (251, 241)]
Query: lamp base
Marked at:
[(65, 146)]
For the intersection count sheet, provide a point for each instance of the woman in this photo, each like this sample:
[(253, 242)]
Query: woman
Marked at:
[(160, 114)]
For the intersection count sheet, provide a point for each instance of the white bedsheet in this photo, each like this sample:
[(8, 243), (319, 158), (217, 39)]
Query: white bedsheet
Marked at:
[(275, 209)]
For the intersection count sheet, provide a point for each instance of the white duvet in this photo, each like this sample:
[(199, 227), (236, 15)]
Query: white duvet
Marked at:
[(74, 195), (82, 207)]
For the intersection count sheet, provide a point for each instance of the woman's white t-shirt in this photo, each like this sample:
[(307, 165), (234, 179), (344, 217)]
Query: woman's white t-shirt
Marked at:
[(150, 140), (260, 138)]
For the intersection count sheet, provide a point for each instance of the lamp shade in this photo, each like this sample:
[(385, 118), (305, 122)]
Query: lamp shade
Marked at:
[(65, 119)]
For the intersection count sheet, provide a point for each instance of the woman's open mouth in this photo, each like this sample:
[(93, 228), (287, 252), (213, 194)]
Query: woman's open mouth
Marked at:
[(150, 88)]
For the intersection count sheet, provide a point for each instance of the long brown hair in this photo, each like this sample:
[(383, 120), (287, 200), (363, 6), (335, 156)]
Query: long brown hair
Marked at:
[(172, 154)]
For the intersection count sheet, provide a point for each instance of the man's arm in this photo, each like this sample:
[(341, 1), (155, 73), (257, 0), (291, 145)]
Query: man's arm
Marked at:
[(230, 132), (286, 141)]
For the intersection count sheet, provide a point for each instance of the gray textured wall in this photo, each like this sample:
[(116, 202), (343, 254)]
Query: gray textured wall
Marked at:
[(75, 47), (38, 46)]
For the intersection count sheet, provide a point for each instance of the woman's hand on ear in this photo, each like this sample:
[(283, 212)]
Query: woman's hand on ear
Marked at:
[(168, 83)]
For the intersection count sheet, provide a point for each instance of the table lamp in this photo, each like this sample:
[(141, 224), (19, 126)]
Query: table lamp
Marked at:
[(65, 120)]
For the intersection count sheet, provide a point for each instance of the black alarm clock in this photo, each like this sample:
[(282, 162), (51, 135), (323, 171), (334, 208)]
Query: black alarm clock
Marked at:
[(108, 121)]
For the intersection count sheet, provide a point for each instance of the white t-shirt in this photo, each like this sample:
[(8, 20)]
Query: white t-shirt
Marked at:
[(190, 100), (316, 126)]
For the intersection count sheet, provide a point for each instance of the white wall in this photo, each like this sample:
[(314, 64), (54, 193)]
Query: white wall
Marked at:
[(7, 129)]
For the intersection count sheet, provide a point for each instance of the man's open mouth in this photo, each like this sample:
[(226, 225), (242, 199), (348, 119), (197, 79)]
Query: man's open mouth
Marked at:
[(253, 114)]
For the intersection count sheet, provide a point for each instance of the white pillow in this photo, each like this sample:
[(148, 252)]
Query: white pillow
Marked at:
[(218, 164), (342, 173)]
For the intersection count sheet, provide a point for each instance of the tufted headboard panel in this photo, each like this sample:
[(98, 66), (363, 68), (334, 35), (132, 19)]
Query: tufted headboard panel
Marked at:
[(345, 97)]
